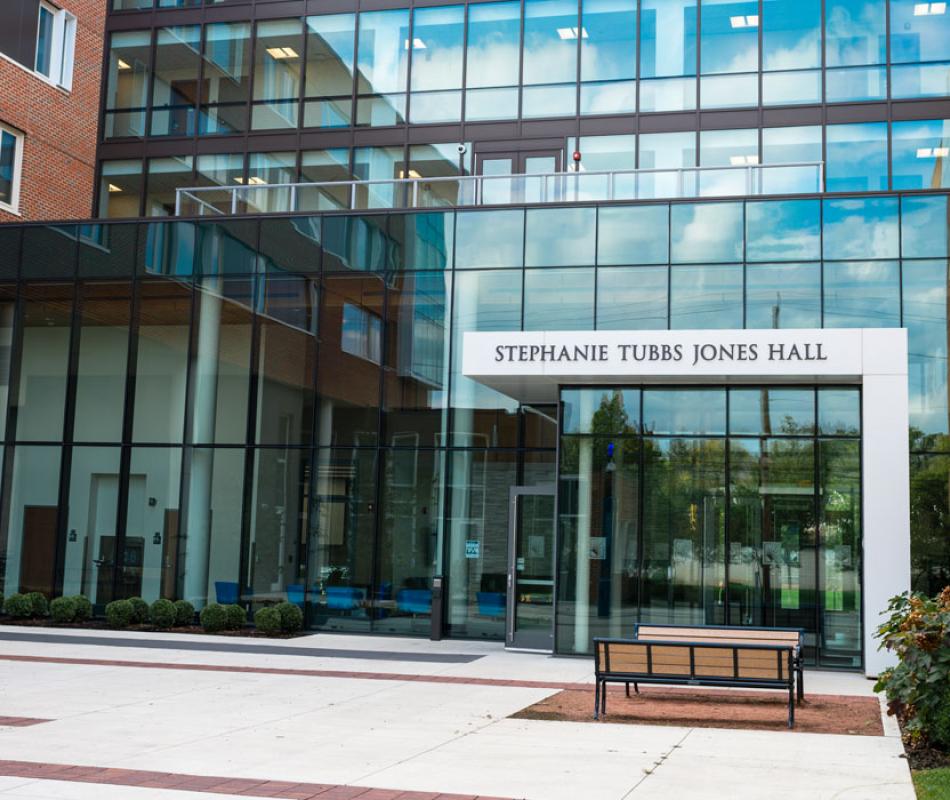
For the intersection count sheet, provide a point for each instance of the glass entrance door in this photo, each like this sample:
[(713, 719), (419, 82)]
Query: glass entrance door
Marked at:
[(508, 176), (531, 568)]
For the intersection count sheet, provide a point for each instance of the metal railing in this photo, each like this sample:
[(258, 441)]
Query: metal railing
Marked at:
[(501, 190)]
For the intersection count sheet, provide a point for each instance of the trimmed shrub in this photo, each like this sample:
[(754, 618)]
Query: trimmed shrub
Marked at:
[(237, 617), (83, 608), (19, 606), (40, 604), (63, 609), (214, 618), (119, 614), (291, 617), (162, 613), (184, 613), (267, 620), (139, 610)]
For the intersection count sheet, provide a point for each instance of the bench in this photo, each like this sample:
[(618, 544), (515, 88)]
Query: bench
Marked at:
[(745, 666), (701, 634)]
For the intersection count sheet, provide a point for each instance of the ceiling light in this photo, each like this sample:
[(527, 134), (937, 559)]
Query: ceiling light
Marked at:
[(123, 65), (417, 44), (942, 152), (281, 53), (114, 188), (571, 33), (929, 9), (745, 21), (933, 152), (254, 180), (743, 161)]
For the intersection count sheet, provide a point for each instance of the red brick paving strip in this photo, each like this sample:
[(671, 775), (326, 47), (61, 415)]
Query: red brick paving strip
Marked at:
[(21, 722), (306, 673), (210, 784)]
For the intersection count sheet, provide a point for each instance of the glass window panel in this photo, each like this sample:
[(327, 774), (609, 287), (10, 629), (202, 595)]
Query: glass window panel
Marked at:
[(355, 243), (559, 299), (724, 91), (785, 230), (787, 412), (783, 296), (383, 52), (287, 360), (791, 145), (730, 148), (601, 411), (484, 301), (127, 83), (120, 189), (291, 245), (856, 157), (862, 294), (227, 247), (730, 36), (667, 94), (151, 529), (7, 312), (169, 248), (31, 527), (860, 228), (210, 562), (324, 166), (161, 365), (608, 43), (633, 298), (923, 80), (49, 251), (265, 168), (489, 239), (410, 519), (560, 236), (667, 38), (706, 297), (165, 175), (675, 411), (435, 107), (423, 241), (855, 83), (493, 51), (633, 235), (226, 78), (341, 552), (930, 504), (175, 82), (44, 360), (919, 32), (220, 169), (548, 101), (483, 104), (839, 412), (920, 154), (103, 354), (389, 109), (665, 151), (550, 43), (91, 522), (924, 222), (437, 48), (331, 55), (791, 34), (608, 97), (924, 296), (855, 32), (791, 88), (277, 63), (379, 164), (706, 232), (438, 161)]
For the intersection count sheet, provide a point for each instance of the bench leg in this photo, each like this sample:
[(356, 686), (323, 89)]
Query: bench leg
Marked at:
[(603, 698), (628, 690), (801, 683), (791, 706), (597, 700), (636, 688)]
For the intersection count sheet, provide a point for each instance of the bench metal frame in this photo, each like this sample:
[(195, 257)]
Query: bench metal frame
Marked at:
[(606, 675), (799, 652)]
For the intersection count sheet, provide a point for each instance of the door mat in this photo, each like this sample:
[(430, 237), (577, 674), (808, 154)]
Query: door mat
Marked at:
[(688, 708)]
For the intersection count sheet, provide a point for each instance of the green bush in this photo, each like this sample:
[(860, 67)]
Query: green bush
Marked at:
[(267, 620), (83, 608), (291, 617), (119, 613), (918, 688), (214, 618), (40, 604), (184, 613), (237, 617), (139, 610), (19, 606), (162, 613), (63, 609)]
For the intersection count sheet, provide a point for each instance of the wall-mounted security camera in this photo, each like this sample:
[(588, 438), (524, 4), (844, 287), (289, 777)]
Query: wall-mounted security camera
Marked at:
[(462, 149)]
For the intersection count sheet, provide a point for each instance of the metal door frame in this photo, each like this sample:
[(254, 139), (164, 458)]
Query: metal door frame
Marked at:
[(514, 493)]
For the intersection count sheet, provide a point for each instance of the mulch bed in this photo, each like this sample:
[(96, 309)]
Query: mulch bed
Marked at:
[(922, 756), (765, 711), (100, 625)]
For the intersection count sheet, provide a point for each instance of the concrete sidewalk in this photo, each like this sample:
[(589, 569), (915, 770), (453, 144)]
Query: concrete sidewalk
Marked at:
[(350, 733)]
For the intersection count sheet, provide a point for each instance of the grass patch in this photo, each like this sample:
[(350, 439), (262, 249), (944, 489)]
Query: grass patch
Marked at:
[(932, 784)]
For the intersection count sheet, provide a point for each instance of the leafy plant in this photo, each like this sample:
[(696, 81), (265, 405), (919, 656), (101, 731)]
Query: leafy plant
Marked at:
[(139, 610), (184, 613), (40, 604), (63, 609), (214, 618), (19, 606), (119, 613), (237, 617), (267, 620), (83, 608), (162, 613), (918, 688), (291, 617)]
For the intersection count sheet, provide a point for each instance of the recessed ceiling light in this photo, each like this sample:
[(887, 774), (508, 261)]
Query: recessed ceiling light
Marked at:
[(745, 21), (123, 65), (933, 152), (114, 188), (254, 180), (929, 9), (571, 33), (281, 53), (743, 161), (417, 44)]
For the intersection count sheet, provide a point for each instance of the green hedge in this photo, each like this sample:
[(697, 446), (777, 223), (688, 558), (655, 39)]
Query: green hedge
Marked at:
[(19, 606), (119, 614), (162, 614), (184, 613), (83, 608), (237, 617), (267, 620), (214, 618), (63, 609)]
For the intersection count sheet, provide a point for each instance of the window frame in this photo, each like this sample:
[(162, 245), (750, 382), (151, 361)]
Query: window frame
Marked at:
[(62, 46), (13, 207)]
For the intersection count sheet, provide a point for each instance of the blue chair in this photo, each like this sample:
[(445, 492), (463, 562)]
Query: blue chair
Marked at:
[(295, 594), (344, 598), (491, 604), (226, 592), (414, 601)]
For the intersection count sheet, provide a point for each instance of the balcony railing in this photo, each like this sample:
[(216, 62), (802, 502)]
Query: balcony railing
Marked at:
[(502, 190)]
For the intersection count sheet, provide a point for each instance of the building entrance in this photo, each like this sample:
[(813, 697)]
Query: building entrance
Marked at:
[(508, 176), (530, 612)]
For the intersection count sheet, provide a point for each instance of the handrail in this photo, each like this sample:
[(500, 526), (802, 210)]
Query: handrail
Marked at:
[(483, 190)]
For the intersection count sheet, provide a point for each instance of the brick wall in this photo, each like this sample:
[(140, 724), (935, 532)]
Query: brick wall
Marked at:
[(59, 148)]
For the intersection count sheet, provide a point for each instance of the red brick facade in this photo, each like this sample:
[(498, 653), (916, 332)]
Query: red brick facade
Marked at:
[(59, 127)]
